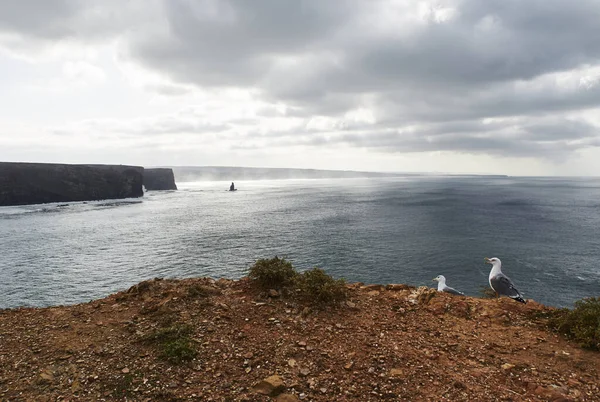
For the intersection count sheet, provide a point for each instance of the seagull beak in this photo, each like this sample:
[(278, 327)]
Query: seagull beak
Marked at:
[(486, 260)]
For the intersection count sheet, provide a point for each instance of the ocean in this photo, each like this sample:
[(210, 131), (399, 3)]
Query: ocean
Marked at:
[(405, 229)]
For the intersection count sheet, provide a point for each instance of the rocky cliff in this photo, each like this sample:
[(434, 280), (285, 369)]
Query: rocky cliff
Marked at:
[(37, 183), (205, 340), (159, 179)]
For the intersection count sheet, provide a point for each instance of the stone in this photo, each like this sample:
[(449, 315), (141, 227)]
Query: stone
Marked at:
[(507, 366), (47, 375), (422, 295), (396, 287), (396, 372), (292, 363), (373, 287), (271, 386), (287, 398), (273, 293), (125, 370), (349, 365)]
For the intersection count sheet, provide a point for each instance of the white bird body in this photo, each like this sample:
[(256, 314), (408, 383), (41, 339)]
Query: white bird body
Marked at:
[(500, 283), (442, 287)]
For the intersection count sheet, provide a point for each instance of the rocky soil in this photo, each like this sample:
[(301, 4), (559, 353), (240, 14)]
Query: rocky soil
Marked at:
[(393, 343)]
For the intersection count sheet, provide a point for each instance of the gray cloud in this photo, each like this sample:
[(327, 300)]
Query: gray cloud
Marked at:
[(465, 76)]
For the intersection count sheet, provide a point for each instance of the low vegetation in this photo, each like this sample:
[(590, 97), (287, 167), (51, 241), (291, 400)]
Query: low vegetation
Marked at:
[(313, 286), (319, 288), (581, 324), (174, 343), (275, 273)]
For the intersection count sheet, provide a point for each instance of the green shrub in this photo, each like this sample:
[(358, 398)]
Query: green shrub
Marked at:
[(174, 343), (274, 273), (319, 288), (581, 324), (178, 351)]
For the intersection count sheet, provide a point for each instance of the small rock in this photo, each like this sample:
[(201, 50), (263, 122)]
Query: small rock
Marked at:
[(304, 372), (373, 287), (561, 398), (125, 370), (273, 293), (349, 365), (350, 304), (396, 372), (292, 363), (373, 293), (507, 366), (248, 355), (271, 386), (287, 398), (302, 344), (396, 287), (75, 386), (47, 375)]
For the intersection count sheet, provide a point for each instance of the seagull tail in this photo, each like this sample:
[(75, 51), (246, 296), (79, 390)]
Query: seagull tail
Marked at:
[(520, 299)]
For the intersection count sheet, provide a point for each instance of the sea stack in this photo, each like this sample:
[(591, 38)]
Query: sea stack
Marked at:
[(159, 179)]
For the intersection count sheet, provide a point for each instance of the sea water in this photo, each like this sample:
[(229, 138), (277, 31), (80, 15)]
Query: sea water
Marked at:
[(404, 229)]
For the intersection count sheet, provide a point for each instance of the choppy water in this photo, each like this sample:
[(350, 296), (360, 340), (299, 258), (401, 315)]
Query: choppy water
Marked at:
[(401, 230)]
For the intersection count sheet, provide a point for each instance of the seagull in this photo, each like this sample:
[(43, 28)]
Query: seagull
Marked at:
[(501, 283), (441, 280)]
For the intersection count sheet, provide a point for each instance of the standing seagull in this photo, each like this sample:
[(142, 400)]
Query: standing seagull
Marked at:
[(501, 283), (441, 280)]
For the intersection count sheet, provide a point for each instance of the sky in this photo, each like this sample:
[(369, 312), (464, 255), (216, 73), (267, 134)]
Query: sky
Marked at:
[(458, 86)]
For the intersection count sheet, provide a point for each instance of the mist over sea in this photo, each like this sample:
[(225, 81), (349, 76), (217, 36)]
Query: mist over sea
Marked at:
[(374, 230)]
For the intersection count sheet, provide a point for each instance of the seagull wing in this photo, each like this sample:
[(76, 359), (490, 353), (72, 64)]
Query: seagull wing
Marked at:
[(453, 291), (504, 286)]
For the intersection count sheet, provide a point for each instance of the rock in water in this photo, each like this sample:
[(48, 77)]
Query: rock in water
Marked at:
[(159, 179)]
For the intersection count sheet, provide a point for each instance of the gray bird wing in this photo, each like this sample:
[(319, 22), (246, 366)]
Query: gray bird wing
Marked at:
[(453, 291), (504, 286)]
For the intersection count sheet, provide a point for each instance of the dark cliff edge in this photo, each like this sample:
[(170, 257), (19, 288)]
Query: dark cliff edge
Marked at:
[(38, 183), (159, 179)]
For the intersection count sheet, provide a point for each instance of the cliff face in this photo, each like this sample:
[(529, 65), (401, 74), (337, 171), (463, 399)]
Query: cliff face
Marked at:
[(159, 179), (37, 183)]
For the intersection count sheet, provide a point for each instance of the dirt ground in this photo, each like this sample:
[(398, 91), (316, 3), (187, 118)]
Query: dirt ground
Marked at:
[(394, 343)]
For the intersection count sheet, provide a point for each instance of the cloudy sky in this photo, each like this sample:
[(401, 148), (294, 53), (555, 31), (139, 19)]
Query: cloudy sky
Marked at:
[(481, 86)]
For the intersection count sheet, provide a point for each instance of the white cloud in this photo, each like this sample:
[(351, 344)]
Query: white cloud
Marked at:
[(381, 84)]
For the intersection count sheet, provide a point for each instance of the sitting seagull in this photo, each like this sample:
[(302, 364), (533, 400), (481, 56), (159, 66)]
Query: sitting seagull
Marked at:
[(501, 283), (441, 280)]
